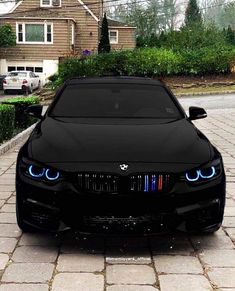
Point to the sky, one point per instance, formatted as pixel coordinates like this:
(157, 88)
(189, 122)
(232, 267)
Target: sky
(5, 7)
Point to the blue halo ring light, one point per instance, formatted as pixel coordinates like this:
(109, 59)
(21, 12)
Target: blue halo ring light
(212, 174)
(38, 173)
(192, 178)
(52, 175)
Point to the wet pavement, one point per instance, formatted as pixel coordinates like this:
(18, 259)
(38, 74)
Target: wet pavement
(173, 262)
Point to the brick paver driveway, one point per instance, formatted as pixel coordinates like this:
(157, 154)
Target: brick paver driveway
(43, 262)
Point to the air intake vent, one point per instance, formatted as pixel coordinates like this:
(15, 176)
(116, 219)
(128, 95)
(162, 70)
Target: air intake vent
(149, 183)
(106, 183)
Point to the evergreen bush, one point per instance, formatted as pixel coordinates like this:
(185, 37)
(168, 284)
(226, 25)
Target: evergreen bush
(7, 119)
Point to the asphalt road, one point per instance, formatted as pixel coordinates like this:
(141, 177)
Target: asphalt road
(223, 101)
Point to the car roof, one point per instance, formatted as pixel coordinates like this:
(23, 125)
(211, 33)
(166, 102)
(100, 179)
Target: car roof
(20, 71)
(114, 79)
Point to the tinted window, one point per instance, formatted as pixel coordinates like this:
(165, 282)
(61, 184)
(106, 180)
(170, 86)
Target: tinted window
(115, 100)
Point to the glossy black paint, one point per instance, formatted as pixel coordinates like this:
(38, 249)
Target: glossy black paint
(35, 111)
(96, 145)
(196, 113)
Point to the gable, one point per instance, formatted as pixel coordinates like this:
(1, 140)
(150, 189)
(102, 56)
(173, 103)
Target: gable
(64, 7)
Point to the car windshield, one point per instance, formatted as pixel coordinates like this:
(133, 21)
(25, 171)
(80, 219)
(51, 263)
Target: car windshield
(17, 74)
(115, 101)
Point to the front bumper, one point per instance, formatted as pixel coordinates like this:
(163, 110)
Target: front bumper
(62, 206)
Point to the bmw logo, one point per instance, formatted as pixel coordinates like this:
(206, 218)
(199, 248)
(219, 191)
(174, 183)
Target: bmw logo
(124, 167)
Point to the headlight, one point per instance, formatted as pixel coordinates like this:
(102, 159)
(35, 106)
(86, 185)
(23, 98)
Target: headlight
(205, 173)
(52, 175)
(35, 171)
(39, 172)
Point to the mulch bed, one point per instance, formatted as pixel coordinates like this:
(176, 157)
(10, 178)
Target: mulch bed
(199, 81)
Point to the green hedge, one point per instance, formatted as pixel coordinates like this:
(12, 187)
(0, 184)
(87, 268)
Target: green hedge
(7, 119)
(207, 61)
(21, 103)
(149, 62)
(24, 99)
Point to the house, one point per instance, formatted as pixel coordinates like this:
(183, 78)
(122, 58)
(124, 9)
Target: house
(49, 30)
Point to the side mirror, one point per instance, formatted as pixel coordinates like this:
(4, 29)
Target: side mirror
(35, 111)
(196, 113)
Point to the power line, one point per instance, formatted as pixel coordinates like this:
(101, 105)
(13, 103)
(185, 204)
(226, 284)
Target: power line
(94, 5)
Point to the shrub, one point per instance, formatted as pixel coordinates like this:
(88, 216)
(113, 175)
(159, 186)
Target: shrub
(7, 36)
(207, 61)
(7, 119)
(21, 103)
(149, 62)
(153, 62)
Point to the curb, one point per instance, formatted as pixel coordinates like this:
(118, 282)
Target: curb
(16, 140)
(204, 93)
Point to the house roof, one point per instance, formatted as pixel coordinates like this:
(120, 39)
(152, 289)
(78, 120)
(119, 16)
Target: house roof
(36, 13)
(115, 23)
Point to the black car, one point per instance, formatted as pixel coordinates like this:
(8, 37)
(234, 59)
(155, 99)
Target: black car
(118, 154)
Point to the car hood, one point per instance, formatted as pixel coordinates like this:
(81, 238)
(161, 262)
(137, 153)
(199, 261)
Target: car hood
(76, 141)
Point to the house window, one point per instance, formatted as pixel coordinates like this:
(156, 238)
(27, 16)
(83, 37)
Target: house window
(38, 70)
(20, 32)
(11, 68)
(50, 3)
(20, 68)
(46, 3)
(27, 68)
(34, 33)
(113, 36)
(49, 35)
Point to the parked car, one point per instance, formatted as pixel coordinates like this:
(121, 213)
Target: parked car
(118, 154)
(2, 77)
(26, 81)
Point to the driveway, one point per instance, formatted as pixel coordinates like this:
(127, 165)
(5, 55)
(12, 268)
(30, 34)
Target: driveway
(12, 94)
(178, 262)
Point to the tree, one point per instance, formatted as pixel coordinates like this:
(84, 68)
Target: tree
(7, 36)
(170, 15)
(104, 44)
(230, 35)
(226, 17)
(149, 18)
(192, 14)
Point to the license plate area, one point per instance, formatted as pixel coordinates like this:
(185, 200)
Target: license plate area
(117, 219)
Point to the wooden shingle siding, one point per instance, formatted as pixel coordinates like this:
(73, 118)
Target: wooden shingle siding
(33, 4)
(126, 38)
(61, 45)
(85, 22)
